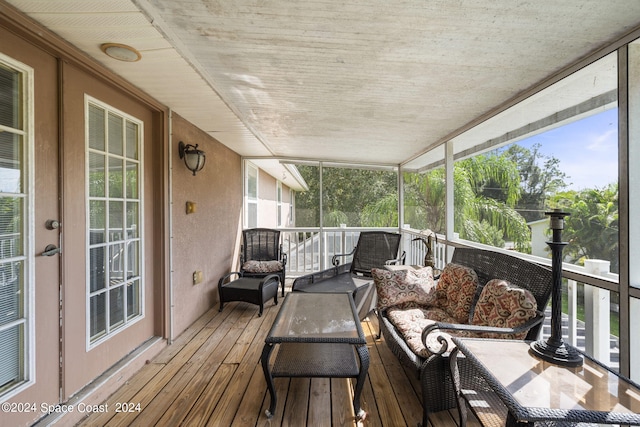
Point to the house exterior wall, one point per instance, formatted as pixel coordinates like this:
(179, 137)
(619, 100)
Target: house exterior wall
(176, 244)
(209, 239)
(266, 200)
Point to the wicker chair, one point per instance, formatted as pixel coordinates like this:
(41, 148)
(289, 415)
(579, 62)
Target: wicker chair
(262, 254)
(434, 374)
(373, 250)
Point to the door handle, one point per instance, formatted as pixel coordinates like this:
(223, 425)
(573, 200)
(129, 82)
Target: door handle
(51, 250)
(52, 224)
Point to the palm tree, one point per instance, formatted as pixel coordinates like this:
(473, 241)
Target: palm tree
(486, 190)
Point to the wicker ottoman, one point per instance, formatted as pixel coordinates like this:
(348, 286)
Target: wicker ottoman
(248, 289)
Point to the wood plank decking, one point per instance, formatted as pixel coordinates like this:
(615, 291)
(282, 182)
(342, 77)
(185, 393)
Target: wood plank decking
(211, 375)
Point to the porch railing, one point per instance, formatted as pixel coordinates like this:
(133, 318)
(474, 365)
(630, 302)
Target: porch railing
(311, 249)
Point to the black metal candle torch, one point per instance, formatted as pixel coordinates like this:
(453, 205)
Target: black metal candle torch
(554, 350)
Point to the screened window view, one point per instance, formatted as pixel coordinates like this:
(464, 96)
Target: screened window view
(558, 150)
(115, 252)
(351, 197)
(13, 217)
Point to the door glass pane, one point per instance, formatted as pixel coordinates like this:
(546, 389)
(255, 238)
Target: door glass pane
(115, 250)
(115, 178)
(133, 262)
(133, 299)
(132, 140)
(116, 264)
(10, 342)
(14, 214)
(132, 220)
(132, 180)
(116, 306)
(115, 134)
(10, 163)
(96, 127)
(116, 226)
(11, 302)
(10, 92)
(11, 217)
(97, 222)
(96, 175)
(97, 278)
(97, 311)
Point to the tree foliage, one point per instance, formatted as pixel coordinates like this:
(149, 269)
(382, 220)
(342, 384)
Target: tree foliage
(495, 195)
(486, 189)
(356, 197)
(540, 177)
(592, 226)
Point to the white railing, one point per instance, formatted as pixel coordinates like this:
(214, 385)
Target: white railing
(311, 249)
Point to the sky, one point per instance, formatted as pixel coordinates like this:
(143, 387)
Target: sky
(587, 150)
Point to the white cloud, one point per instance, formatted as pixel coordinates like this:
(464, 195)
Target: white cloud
(604, 142)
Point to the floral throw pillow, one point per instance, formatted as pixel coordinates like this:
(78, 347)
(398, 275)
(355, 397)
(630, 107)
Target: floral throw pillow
(456, 290)
(504, 305)
(404, 286)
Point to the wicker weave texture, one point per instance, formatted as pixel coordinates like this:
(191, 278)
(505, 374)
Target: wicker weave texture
(437, 388)
(263, 244)
(524, 274)
(373, 250)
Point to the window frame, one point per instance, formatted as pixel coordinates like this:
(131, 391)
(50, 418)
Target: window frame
(249, 200)
(113, 330)
(28, 356)
(279, 215)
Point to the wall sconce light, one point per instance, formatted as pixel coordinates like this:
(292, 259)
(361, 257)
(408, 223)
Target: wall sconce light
(193, 158)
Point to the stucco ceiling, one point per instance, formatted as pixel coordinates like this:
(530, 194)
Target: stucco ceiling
(357, 81)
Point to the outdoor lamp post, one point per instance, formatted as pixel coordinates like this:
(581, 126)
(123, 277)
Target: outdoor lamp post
(554, 350)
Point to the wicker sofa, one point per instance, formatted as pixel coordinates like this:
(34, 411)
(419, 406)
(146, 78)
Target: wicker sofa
(416, 331)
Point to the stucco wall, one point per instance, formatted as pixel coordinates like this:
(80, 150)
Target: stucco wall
(209, 239)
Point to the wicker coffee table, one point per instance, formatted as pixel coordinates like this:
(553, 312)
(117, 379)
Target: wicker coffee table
(318, 335)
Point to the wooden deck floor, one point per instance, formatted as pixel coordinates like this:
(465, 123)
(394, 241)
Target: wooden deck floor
(212, 375)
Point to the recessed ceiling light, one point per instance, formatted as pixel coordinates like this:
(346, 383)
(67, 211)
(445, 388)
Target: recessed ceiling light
(121, 52)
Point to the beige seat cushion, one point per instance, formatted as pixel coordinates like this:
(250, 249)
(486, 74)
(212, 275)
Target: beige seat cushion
(262, 266)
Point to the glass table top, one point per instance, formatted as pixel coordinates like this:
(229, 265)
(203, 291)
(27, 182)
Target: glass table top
(535, 383)
(321, 317)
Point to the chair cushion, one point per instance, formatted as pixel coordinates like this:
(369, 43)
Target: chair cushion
(504, 305)
(410, 322)
(404, 286)
(253, 266)
(456, 290)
